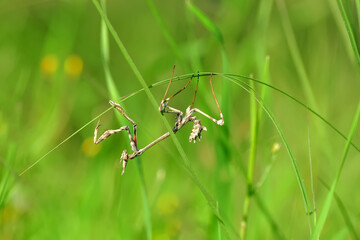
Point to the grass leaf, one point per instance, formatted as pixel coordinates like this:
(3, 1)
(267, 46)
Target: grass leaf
(296, 168)
(186, 162)
(114, 93)
(323, 215)
(344, 213)
(349, 30)
(169, 38)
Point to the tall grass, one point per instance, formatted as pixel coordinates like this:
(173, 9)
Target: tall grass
(234, 183)
(114, 94)
(330, 196)
(223, 151)
(182, 153)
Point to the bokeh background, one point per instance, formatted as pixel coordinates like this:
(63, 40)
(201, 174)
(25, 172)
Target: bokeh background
(53, 82)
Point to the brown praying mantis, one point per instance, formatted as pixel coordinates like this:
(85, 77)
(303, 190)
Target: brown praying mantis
(181, 119)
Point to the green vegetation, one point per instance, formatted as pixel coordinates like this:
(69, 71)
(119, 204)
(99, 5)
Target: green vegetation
(284, 166)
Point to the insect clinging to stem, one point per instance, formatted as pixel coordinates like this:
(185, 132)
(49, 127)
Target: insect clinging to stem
(181, 119)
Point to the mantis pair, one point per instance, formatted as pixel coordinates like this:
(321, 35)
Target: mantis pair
(181, 119)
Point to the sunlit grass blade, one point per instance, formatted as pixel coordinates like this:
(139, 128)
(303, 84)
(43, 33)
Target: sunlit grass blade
(110, 84)
(294, 163)
(313, 212)
(274, 226)
(120, 100)
(65, 140)
(223, 151)
(295, 53)
(187, 76)
(169, 38)
(255, 118)
(6, 175)
(114, 93)
(328, 200)
(254, 127)
(301, 70)
(145, 201)
(212, 28)
(357, 2)
(295, 100)
(186, 162)
(350, 31)
(344, 212)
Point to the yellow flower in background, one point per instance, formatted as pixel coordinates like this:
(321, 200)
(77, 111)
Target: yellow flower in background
(73, 66)
(49, 64)
(89, 148)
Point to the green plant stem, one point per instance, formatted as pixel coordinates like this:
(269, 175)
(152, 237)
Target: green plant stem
(344, 213)
(282, 135)
(328, 200)
(187, 76)
(313, 212)
(295, 53)
(186, 162)
(114, 93)
(169, 38)
(254, 124)
(350, 31)
(223, 151)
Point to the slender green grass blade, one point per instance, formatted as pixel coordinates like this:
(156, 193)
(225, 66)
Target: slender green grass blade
(350, 31)
(313, 212)
(274, 227)
(211, 27)
(255, 118)
(194, 49)
(184, 77)
(65, 140)
(295, 53)
(282, 135)
(223, 151)
(344, 212)
(120, 100)
(357, 2)
(328, 200)
(114, 93)
(6, 180)
(295, 100)
(106, 58)
(186, 162)
(254, 121)
(266, 79)
(323, 215)
(169, 38)
(145, 201)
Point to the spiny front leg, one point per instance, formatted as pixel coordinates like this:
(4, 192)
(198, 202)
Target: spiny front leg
(124, 156)
(107, 133)
(133, 141)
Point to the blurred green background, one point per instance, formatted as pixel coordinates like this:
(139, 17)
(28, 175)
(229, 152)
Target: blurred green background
(52, 83)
